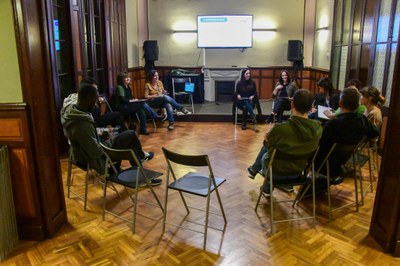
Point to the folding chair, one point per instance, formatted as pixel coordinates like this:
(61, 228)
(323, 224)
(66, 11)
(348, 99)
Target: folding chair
(296, 179)
(192, 183)
(130, 178)
(338, 155)
(178, 84)
(85, 167)
(236, 114)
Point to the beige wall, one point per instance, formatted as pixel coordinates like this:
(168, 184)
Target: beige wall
(10, 84)
(323, 38)
(269, 49)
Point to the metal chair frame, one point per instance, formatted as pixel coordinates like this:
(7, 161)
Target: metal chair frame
(236, 115)
(209, 183)
(302, 179)
(129, 178)
(182, 80)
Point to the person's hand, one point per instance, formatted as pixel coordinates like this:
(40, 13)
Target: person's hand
(329, 114)
(313, 110)
(101, 99)
(251, 97)
(133, 100)
(239, 97)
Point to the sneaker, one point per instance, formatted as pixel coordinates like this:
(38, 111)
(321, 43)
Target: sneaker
(287, 189)
(154, 182)
(148, 156)
(261, 172)
(179, 113)
(244, 127)
(171, 126)
(185, 111)
(264, 192)
(144, 132)
(250, 172)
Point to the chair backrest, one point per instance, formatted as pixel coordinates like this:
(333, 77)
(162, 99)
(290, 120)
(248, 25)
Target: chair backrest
(338, 155)
(178, 84)
(307, 158)
(188, 160)
(114, 155)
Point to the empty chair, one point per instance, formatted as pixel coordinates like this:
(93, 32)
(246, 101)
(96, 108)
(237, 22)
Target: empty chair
(131, 178)
(193, 183)
(184, 87)
(306, 177)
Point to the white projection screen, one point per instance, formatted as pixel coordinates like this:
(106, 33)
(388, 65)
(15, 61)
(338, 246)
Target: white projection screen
(225, 31)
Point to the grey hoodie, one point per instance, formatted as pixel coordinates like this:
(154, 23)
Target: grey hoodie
(80, 129)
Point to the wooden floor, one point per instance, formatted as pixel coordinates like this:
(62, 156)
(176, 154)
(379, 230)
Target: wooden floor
(88, 240)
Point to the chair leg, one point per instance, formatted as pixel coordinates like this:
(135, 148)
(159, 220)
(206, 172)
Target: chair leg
(86, 189)
(220, 203)
(69, 178)
(191, 99)
(236, 111)
(206, 221)
(271, 196)
(135, 206)
(165, 208)
(104, 198)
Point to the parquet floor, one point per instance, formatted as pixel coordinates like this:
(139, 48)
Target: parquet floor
(88, 240)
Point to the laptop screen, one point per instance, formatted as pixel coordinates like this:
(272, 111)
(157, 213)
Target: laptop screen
(189, 87)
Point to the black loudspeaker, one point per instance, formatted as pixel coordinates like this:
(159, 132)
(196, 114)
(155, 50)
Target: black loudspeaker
(295, 50)
(150, 50)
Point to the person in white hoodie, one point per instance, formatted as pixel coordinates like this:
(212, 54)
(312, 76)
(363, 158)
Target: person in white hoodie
(80, 128)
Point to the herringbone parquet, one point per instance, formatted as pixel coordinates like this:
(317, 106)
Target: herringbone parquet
(87, 240)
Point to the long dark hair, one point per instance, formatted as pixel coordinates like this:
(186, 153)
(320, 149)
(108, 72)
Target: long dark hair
(242, 76)
(326, 84)
(150, 75)
(281, 79)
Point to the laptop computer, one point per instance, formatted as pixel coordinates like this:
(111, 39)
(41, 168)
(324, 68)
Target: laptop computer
(189, 87)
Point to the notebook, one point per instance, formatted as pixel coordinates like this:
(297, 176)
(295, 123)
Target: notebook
(321, 110)
(189, 87)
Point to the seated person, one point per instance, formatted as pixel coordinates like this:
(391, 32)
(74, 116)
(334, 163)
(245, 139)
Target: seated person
(372, 99)
(123, 99)
(352, 83)
(106, 119)
(298, 136)
(327, 96)
(155, 92)
(79, 128)
(282, 95)
(246, 96)
(348, 128)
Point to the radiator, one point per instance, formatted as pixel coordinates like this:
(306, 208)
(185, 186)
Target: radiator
(8, 224)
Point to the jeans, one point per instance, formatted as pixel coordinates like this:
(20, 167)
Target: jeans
(280, 105)
(168, 103)
(257, 165)
(150, 111)
(246, 106)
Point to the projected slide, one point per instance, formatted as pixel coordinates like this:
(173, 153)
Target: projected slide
(225, 31)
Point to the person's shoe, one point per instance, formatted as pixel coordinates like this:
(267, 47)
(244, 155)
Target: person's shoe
(171, 126)
(337, 180)
(261, 172)
(250, 173)
(144, 132)
(185, 111)
(148, 156)
(154, 182)
(287, 189)
(264, 192)
(179, 113)
(243, 126)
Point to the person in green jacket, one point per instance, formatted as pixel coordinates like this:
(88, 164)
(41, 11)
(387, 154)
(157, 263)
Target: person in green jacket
(298, 136)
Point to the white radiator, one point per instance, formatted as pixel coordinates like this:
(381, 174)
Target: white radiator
(8, 224)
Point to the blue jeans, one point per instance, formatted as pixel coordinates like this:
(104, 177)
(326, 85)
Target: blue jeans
(168, 103)
(149, 111)
(257, 165)
(246, 106)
